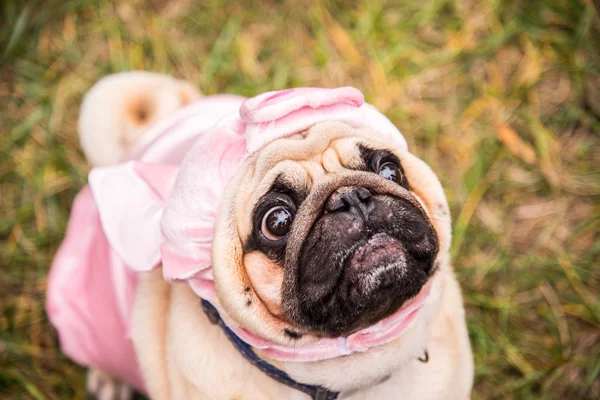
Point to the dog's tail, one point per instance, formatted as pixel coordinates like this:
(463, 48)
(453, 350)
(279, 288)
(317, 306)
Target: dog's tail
(120, 108)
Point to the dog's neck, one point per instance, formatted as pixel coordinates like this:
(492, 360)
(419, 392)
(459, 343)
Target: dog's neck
(411, 346)
(363, 371)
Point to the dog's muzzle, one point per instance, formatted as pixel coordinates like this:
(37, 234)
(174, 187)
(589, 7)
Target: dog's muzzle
(364, 256)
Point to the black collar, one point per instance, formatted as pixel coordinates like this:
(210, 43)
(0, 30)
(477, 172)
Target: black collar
(314, 391)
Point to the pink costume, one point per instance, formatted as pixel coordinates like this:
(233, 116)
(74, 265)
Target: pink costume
(160, 208)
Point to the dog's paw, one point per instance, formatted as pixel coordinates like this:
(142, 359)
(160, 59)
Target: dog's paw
(102, 386)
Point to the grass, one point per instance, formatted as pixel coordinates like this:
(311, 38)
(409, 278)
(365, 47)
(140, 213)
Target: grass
(500, 97)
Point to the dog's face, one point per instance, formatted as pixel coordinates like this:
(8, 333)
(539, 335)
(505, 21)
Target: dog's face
(327, 232)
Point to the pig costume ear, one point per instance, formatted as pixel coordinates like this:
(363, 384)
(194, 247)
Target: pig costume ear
(130, 198)
(272, 115)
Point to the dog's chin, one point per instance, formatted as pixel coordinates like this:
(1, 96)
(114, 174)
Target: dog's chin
(376, 264)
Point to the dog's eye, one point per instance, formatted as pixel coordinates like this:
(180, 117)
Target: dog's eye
(277, 222)
(390, 171)
(385, 164)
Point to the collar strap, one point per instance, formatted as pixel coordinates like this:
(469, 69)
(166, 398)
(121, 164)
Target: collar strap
(314, 391)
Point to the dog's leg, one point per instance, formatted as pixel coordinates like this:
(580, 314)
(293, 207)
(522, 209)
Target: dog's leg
(103, 386)
(120, 108)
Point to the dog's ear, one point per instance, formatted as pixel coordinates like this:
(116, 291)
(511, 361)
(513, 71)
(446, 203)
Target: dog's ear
(130, 199)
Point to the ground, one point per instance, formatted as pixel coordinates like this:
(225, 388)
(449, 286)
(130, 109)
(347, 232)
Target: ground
(500, 97)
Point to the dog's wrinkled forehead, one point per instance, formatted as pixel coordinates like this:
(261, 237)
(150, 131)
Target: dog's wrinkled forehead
(292, 165)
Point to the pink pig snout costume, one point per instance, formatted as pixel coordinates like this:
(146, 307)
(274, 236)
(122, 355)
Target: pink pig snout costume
(159, 209)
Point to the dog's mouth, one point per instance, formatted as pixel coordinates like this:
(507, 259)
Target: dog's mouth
(375, 262)
(357, 268)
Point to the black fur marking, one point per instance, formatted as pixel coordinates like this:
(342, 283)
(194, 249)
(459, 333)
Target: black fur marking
(292, 334)
(250, 244)
(424, 358)
(442, 209)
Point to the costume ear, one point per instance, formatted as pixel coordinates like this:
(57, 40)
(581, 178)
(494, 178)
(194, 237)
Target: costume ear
(130, 199)
(273, 115)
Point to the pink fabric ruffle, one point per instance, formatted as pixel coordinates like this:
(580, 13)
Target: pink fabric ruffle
(90, 295)
(91, 287)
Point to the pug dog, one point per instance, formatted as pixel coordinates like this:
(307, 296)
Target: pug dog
(287, 246)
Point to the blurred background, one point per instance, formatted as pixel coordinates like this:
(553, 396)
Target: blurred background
(500, 97)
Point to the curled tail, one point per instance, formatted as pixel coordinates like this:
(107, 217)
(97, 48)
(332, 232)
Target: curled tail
(120, 108)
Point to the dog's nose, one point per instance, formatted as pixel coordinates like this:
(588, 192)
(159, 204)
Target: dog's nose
(353, 199)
